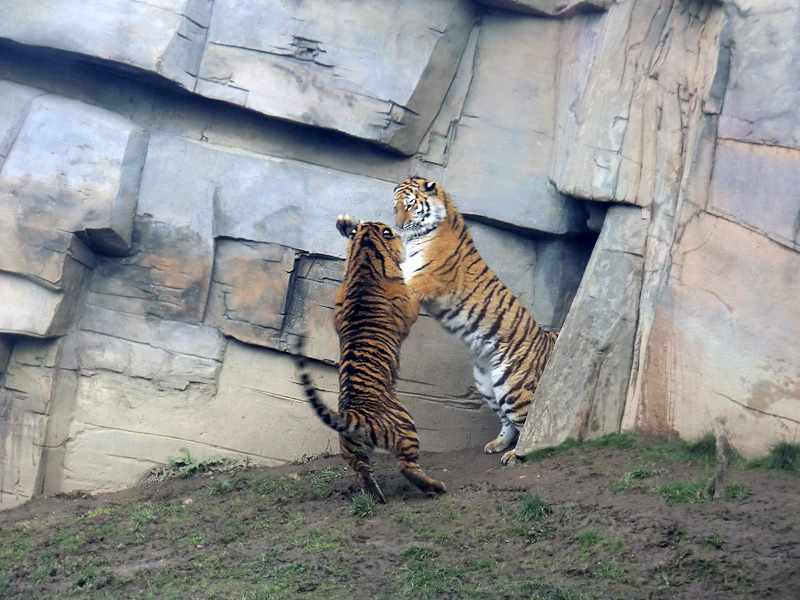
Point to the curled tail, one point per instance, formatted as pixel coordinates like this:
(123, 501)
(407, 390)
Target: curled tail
(331, 418)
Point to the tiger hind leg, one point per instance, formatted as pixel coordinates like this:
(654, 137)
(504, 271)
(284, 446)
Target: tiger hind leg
(407, 452)
(508, 432)
(357, 456)
(516, 413)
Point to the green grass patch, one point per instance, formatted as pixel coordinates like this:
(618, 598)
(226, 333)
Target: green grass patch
(68, 541)
(589, 538)
(143, 515)
(685, 492)
(320, 482)
(606, 570)
(626, 481)
(272, 484)
(417, 553)
(712, 541)
(39, 573)
(535, 587)
(620, 441)
(544, 453)
(220, 488)
(783, 456)
(532, 508)
(362, 505)
(702, 449)
(735, 491)
(421, 581)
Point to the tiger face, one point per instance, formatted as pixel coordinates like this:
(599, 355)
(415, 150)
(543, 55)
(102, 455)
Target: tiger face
(419, 207)
(377, 236)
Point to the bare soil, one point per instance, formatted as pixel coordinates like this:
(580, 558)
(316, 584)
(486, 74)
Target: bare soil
(288, 532)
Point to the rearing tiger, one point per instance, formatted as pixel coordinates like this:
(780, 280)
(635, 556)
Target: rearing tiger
(446, 274)
(373, 315)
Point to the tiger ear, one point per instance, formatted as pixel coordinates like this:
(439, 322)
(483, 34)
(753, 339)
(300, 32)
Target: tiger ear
(430, 186)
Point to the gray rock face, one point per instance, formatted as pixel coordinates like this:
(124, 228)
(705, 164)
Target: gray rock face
(162, 250)
(582, 392)
(767, 49)
(81, 161)
(249, 290)
(301, 62)
(505, 177)
(162, 36)
(551, 8)
(306, 63)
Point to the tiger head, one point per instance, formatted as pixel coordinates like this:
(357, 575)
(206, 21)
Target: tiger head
(371, 234)
(420, 205)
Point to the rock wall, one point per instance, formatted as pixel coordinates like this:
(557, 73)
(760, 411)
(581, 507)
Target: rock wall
(688, 110)
(170, 173)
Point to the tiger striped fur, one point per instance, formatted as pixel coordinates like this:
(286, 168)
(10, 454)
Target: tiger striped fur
(446, 274)
(373, 315)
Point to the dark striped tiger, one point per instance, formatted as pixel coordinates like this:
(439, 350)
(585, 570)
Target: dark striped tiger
(373, 315)
(446, 274)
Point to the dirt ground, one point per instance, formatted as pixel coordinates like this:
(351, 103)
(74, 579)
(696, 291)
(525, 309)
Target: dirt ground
(586, 523)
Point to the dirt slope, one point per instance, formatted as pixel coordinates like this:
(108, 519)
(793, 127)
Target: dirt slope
(257, 534)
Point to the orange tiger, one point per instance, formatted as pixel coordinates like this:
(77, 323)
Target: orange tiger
(446, 274)
(373, 315)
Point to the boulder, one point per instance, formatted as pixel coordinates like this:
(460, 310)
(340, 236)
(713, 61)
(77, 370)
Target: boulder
(165, 37)
(254, 197)
(758, 186)
(582, 392)
(35, 405)
(767, 49)
(723, 349)
(13, 111)
(74, 167)
(32, 309)
(550, 8)
(304, 63)
(498, 164)
(250, 290)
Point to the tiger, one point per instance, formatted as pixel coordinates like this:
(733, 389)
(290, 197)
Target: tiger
(445, 273)
(373, 314)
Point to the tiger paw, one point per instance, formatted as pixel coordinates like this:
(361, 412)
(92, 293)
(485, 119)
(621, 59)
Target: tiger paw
(347, 225)
(510, 458)
(495, 446)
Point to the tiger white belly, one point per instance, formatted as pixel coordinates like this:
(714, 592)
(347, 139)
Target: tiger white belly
(415, 258)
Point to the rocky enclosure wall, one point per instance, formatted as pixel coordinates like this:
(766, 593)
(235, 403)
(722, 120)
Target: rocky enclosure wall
(170, 173)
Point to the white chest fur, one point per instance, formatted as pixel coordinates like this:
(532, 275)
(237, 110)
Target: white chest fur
(415, 258)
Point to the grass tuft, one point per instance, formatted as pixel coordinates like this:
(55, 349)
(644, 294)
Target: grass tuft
(606, 570)
(589, 538)
(735, 491)
(421, 581)
(143, 515)
(221, 487)
(532, 508)
(621, 441)
(783, 456)
(272, 484)
(685, 492)
(544, 453)
(417, 553)
(626, 481)
(363, 505)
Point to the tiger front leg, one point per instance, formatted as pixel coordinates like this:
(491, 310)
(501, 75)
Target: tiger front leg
(504, 440)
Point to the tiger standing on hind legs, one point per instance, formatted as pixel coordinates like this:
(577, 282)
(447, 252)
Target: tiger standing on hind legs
(373, 315)
(444, 271)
